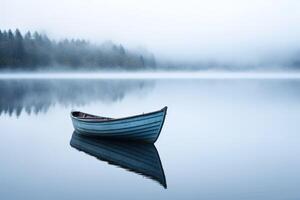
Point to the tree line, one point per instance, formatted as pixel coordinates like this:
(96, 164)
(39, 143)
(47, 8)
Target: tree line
(36, 51)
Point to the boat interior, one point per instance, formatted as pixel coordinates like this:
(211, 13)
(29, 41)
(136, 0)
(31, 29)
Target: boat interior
(82, 115)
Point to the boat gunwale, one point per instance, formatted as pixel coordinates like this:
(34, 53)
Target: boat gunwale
(164, 110)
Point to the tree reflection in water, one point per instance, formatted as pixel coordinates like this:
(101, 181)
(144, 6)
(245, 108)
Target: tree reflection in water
(36, 96)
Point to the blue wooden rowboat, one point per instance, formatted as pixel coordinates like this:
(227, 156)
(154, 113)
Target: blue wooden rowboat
(137, 157)
(144, 127)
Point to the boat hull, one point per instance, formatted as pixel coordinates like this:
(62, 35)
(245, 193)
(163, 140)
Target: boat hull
(145, 127)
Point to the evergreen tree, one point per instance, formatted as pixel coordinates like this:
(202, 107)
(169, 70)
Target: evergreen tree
(19, 52)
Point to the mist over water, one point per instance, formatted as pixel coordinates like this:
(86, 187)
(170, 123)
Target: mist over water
(244, 34)
(222, 139)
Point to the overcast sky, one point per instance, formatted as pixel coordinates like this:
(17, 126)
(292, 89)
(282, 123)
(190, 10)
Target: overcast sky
(223, 30)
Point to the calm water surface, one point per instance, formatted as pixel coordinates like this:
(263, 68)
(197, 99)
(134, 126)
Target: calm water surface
(222, 139)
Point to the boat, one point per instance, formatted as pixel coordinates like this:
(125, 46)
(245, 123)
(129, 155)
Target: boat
(137, 157)
(145, 127)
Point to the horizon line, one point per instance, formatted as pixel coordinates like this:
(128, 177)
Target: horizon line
(152, 75)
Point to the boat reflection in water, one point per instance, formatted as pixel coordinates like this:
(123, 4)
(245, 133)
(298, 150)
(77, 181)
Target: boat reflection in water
(141, 158)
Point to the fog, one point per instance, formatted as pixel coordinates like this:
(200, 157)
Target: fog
(230, 31)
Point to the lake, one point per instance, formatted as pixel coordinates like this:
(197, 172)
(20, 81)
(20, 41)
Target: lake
(223, 138)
